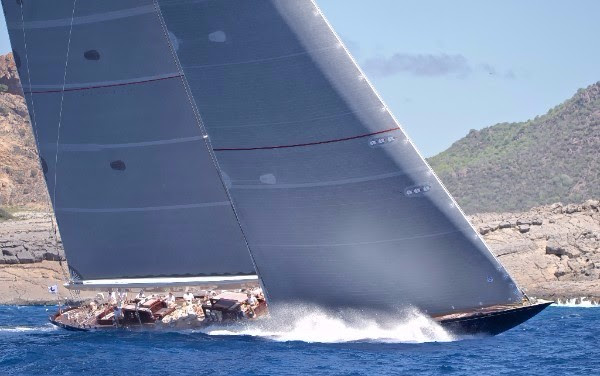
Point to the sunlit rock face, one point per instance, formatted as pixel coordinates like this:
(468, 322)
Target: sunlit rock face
(552, 250)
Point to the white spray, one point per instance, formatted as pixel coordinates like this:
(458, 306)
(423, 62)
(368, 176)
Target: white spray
(310, 324)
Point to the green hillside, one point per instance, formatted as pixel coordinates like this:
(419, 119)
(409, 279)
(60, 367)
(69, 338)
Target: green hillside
(515, 166)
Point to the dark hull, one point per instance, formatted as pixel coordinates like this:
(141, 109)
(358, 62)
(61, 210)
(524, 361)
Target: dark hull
(479, 323)
(492, 323)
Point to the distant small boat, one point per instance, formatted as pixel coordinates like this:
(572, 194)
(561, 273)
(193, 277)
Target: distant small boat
(217, 142)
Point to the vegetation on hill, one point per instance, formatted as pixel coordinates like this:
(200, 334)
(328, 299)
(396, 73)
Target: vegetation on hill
(516, 166)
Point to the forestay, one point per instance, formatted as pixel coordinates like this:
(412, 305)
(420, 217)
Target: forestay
(338, 207)
(134, 187)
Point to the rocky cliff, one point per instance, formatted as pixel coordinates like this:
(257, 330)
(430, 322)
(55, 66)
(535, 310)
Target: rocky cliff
(29, 238)
(552, 251)
(9, 75)
(21, 181)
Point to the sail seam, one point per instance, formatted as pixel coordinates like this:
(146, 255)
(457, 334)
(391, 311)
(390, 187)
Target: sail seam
(433, 235)
(103, 86)
(141, 209)
(100, 147)
(308, 143)
(256, 61)
(309, 120)
(108, 16)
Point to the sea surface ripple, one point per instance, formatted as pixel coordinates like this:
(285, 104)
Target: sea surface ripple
(559, 341)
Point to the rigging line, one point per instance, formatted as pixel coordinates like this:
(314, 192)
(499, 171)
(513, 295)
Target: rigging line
(208, 144)
(62, 98)
(33, 121)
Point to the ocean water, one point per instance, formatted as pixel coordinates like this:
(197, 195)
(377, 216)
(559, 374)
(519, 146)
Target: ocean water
(559, 341)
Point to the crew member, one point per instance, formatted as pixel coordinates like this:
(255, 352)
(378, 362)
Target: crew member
(112, 297)
(251, 300)
(118, 312)
(252, 303)
(123, 296)
(170, 299)
(188, 297)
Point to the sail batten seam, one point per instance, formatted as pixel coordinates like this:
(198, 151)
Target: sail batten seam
(308, 143)
(100, 147)
(116, 84)
(141, 209)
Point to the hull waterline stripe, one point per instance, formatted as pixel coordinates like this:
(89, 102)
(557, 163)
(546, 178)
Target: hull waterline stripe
(103, 86)
(308, 143)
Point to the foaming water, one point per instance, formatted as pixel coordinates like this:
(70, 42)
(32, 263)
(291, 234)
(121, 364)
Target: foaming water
(21, 329)
(310, 324)
(577, 303)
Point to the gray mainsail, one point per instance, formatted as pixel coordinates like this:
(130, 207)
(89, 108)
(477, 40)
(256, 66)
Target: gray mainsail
(338, 207)
(134, 187)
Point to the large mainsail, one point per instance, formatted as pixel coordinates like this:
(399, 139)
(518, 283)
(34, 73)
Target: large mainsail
(135, 189)
(338, 207)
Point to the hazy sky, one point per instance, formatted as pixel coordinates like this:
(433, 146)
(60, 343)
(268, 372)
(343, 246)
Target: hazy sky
(445, 67)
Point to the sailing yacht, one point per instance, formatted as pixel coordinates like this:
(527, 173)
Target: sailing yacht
(191, 142)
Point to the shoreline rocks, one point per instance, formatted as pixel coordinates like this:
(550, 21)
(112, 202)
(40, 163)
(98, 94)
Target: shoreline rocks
(29, 238)
(557, 256)
(552, 251)
(27, 284)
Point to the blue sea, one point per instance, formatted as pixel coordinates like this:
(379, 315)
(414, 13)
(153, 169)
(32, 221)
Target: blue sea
(559, 341)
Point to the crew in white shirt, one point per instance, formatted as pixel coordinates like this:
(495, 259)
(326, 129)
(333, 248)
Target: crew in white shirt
(188, 297)
(170, 299)
(251, 300)
(112, 297)
(123, 296)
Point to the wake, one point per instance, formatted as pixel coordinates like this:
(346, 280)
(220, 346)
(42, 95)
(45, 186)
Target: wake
(577, 303)
(313, 325)
(26, 329)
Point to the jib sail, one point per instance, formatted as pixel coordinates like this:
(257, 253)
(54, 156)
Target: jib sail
(134, 187)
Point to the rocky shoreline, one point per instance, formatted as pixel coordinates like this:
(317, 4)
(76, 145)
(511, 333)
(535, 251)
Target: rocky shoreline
(29, 238)
(552, 251)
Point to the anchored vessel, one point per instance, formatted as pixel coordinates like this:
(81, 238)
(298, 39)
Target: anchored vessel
(190, 142)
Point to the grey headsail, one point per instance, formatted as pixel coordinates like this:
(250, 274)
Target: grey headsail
(133, 184)
(338, 207)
